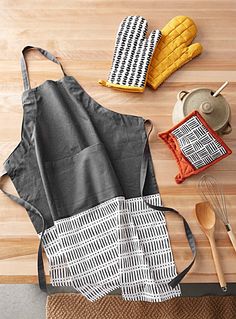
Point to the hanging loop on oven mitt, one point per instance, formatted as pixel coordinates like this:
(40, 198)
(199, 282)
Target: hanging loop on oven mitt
(132, 55)
(174, 50)
(194, 145)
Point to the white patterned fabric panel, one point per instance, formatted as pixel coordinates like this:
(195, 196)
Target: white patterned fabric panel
(133, 52)
(146, 259)
(119, 243)
(198, 145)
(71, 244)
(58, 268)
(89, 244)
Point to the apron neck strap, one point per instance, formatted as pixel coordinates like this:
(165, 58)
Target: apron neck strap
(24, 69)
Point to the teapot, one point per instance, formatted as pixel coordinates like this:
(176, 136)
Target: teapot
(211, 105)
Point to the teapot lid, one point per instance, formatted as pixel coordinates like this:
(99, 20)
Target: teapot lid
(214, 109)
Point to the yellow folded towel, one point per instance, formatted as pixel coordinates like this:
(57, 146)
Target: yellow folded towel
(173, 50)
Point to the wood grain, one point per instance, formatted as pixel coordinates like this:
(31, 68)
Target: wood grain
(81, 33)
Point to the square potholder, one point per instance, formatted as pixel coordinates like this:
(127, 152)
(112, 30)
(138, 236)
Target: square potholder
(194, 145)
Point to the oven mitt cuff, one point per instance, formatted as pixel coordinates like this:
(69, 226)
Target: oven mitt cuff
(132, 55)
(174, 50)
(194, 145)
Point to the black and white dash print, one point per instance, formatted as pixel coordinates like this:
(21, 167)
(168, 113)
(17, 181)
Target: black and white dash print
(133, 52)
(198, 145)
(119, 243)
(146, 262)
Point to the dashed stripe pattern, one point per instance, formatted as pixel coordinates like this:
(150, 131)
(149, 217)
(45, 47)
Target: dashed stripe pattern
(197, 144)
(120, 243)
(58, 268)
(89, 244)
(133, 52)
(145, 256)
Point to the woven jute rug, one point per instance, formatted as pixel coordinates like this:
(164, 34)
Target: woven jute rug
(74, 306)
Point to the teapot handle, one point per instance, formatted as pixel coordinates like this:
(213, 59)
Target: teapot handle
(181, 95)
(227, 130)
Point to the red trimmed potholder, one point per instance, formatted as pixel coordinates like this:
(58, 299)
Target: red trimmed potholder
(194, 145)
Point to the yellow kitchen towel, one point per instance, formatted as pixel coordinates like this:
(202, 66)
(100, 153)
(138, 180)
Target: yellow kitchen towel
(173, 50)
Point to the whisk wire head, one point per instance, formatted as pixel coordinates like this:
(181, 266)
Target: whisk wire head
(212, 192)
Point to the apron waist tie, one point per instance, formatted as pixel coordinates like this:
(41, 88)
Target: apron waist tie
(189, 235)
(31, 208)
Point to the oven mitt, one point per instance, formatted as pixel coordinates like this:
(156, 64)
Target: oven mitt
(132, 55)
(173, 50)
(194, 145)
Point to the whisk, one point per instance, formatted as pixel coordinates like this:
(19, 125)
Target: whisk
(212, 192)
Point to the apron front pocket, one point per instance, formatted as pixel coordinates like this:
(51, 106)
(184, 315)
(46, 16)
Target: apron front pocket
(81, 181)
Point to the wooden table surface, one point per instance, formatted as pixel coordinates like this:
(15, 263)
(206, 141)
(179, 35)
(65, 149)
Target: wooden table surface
(82, 33)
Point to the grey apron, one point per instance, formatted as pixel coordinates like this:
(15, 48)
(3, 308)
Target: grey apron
(85, 176)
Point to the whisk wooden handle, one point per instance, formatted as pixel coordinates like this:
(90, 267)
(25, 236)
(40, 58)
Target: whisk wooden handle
(232, 238)
(218, 267)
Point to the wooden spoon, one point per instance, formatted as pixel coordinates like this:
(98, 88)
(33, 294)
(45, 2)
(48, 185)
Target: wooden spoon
(206, 218)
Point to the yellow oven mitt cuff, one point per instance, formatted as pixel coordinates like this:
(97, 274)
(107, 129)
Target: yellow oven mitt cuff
(125, 88)
(132, 55)
(173, 50)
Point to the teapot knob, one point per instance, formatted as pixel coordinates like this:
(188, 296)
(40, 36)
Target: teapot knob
(206, 108)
